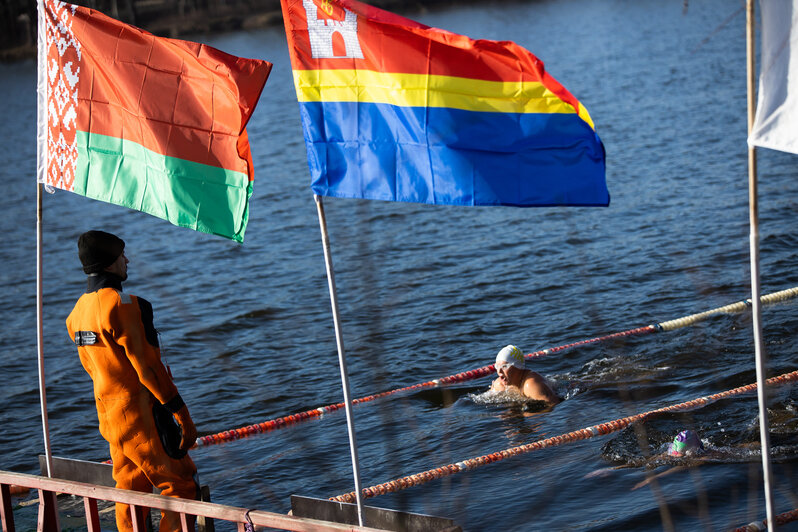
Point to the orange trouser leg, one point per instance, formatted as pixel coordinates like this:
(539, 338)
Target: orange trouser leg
(142, 459)
(128, 476)
(175, 478)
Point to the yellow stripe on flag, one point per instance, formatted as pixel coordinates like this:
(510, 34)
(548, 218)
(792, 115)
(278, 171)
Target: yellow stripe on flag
(423, 90)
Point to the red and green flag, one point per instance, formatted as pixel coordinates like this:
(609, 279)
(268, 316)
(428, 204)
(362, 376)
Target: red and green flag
(149, 123)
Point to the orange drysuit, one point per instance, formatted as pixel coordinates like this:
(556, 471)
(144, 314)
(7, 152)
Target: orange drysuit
(118, 347)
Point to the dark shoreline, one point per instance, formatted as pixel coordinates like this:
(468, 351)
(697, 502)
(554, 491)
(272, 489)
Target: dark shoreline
(203, 22)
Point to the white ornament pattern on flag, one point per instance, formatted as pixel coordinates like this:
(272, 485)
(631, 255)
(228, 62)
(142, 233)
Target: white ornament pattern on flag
(63, 73)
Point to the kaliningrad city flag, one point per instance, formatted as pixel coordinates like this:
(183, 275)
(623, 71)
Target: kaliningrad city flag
(395, 110)
(149, 123)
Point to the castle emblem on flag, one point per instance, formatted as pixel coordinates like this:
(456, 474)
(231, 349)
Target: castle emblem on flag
(321, 32)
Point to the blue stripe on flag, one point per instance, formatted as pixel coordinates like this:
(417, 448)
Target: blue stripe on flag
(451, 156)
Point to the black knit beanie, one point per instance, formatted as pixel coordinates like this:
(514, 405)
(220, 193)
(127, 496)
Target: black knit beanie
(98, 250)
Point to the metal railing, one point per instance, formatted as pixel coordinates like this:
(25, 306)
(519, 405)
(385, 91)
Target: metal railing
(139, 502)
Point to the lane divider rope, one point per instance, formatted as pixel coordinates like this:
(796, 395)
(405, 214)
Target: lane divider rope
(285, 421)
(582, 434)
(728, 309)
(781, 519)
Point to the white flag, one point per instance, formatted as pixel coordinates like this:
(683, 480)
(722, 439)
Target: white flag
(776, 122)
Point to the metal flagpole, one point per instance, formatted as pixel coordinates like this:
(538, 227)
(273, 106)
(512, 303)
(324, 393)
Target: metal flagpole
(41, 158)
(40, 331)
(350, 423)
(753, 214)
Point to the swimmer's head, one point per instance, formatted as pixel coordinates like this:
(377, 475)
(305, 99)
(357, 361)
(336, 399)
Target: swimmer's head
(510, 356)
(687, 441)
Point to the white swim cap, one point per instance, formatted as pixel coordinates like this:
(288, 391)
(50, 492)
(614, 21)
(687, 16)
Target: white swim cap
(511, 355)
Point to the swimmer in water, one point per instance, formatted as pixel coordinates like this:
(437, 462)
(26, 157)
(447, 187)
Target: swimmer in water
(515, 378)
(685, 443)
(685, 446)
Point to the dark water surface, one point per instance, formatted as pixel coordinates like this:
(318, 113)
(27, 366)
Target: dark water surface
(430, 291)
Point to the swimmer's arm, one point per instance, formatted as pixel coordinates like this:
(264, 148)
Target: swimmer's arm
(652, 478)
(604, 471)
(496, 385)
(536, 387)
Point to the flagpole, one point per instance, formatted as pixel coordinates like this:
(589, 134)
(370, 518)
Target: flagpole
(350, 423)
(753, 214)
(41, 158)
(40, 332)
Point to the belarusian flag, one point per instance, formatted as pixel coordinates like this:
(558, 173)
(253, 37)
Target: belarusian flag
(149, 123)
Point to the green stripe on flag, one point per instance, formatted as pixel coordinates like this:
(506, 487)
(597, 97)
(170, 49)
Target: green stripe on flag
(188, 194)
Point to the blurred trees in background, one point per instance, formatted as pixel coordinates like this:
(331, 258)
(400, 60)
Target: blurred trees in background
(167, 18)
(17, 23)
(163, 17)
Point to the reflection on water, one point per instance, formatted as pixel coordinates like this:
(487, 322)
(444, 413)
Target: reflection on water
(444, 397)
(517, 415)
(511, 398)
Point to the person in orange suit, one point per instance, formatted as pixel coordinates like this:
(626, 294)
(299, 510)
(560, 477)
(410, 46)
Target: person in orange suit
(141, 413)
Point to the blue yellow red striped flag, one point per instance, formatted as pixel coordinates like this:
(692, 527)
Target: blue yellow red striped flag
(399, 111)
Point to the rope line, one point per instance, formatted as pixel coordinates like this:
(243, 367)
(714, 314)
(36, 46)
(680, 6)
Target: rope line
(781, 519)
(728, 309)
(582, 434)
(284, 421)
